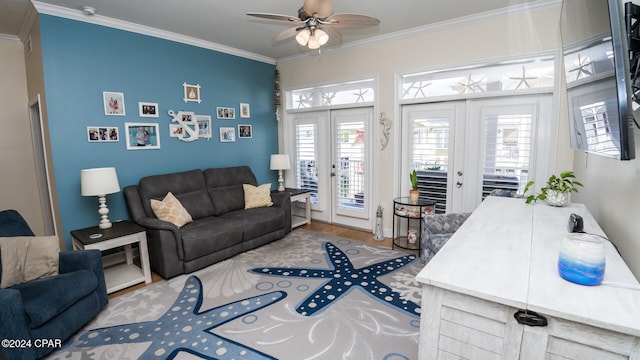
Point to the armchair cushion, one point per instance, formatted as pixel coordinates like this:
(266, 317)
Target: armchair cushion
(13, 224)
(26, 258)
(436, 231)
(45, 298)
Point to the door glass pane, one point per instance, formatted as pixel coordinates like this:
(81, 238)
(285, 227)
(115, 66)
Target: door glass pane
(350, 163)
(507, 152)
(306, 157)
(430, 158)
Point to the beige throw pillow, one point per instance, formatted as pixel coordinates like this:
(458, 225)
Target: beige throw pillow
(170, 209)
(255, 197)
(26, 258)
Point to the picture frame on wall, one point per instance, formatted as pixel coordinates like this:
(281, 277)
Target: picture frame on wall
(96, 134)
(245, 110)
(142, 136)
(245, 131)
(204, 126)
(113, 103)
(191, 92)
(227, 134)
(148, 109)
(175, 130)
(226, 113)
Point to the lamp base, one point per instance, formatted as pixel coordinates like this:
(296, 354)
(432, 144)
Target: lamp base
(103, 210)
(280, 181)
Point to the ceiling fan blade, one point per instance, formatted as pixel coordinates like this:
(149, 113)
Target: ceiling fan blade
(351, 21)
(335, 38)
(275, 17)
(323, 8)
(291, 32)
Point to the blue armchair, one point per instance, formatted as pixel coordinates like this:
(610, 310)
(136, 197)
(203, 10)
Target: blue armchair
(51, 308)
(436, 231)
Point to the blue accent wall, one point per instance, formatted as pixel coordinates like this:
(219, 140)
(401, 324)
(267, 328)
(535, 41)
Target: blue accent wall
(82, 60)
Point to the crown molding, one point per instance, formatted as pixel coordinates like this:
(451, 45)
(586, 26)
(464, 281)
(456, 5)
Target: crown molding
(9, 37)
(59, 11)
(420, 30)
(27, 23)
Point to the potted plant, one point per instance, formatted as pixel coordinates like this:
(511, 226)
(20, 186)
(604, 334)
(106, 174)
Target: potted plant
(414, 193)
(557, 191)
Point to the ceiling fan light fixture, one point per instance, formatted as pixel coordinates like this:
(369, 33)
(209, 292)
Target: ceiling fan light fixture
(303, 37)
(321, 36)
(313, 42)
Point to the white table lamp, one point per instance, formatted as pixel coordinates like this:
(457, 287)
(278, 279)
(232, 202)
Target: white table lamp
(280, 162)
(100, 182)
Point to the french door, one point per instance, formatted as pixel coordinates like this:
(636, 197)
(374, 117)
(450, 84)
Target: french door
(332, 160)
(463, 150)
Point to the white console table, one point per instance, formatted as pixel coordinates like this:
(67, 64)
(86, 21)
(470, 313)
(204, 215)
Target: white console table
(504, 258)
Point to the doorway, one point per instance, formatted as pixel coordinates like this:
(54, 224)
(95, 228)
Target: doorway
(42, 172)
(332, 152)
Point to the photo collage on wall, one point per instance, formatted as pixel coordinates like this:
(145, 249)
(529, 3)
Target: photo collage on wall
(186, 126)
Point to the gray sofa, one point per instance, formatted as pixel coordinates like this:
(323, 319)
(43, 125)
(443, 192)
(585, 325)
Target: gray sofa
(222, 227)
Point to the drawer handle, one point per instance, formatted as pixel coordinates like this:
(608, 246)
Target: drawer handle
(530, 318)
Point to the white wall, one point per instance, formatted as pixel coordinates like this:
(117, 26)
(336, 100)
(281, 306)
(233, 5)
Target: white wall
(18, 188)
(612, 194)
(465, 42)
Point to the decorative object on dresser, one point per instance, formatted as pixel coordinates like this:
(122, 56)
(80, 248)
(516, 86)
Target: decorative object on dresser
(280, 162)
(45, 307)
(491, 288)
(221, 226)
(557, 191)
(100, 182)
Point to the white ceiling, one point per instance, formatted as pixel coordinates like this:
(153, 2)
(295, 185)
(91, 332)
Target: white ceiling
(226, 23)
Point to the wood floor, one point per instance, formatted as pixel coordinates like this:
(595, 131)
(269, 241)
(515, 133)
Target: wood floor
(336, 230)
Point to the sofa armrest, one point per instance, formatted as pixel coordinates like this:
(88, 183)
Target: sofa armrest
(282, 199)
(14, 325)
(74, 260)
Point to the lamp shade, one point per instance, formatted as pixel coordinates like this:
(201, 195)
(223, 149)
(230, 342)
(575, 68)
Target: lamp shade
(99, 181)
(280, 162)
(303, 37)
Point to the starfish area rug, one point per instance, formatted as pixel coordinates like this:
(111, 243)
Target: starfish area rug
(306, 296)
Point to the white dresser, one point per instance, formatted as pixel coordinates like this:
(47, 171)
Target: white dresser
(504, 258)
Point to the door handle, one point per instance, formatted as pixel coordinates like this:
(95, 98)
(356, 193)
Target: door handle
(459, 184)
(333, 173)
(459, 173)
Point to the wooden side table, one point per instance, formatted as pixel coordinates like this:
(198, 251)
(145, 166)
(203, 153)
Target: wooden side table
(297, 195)
(122, 233)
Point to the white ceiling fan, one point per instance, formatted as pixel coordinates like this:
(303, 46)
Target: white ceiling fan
(317, 26)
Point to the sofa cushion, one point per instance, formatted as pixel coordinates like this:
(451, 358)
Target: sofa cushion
(26, 258)
(257, 222)
(257, 196)
(208, 235)
(170, 209)
(188, 187)
(47, 297)
(225, 187)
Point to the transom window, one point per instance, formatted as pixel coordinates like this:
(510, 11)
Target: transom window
(361, 92)
(508, 76)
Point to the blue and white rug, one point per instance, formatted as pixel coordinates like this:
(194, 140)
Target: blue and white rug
(307, 296)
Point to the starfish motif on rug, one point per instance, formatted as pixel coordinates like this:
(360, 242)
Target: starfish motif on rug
(184, 328)
(344, 277)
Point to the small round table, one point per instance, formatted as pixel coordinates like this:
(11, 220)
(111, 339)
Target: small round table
(412, 211)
